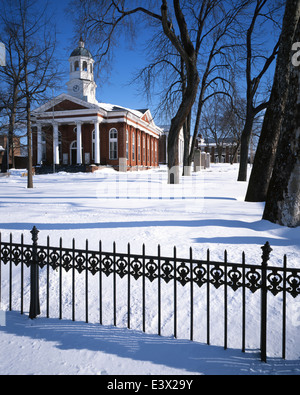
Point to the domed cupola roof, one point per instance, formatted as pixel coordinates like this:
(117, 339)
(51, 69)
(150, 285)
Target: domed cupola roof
(81, 50)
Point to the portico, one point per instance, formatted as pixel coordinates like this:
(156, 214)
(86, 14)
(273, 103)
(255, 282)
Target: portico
(59, 140)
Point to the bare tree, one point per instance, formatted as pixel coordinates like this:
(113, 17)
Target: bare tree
(163, 77)
(34, 44)
(11, 98)
(265, 156)
(104, 20)
(254, 65)
(221, 123)
(166, 72)
(283, 198)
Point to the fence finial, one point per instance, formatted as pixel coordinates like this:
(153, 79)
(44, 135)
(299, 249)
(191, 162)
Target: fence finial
(266, 252)
(34, 233)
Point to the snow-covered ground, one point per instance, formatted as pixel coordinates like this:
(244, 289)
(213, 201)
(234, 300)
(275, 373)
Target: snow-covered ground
(206, 210)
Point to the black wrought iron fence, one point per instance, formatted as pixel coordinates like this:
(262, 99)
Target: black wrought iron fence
(175, 271)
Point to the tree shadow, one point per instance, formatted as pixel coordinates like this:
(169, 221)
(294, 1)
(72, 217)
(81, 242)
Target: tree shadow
(191, 357)
(275, 234)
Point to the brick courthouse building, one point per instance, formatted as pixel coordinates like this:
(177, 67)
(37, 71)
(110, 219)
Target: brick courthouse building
(74, 129)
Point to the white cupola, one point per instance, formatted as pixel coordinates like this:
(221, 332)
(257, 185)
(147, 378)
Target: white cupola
(81, 82)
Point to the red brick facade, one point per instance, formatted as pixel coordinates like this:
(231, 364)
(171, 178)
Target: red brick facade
(136, 138)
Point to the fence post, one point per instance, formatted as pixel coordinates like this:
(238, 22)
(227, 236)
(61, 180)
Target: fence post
(34, 309)
(263, 342)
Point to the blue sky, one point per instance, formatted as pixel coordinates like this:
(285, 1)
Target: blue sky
(116, 90)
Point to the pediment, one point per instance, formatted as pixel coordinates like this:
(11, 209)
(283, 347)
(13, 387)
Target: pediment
(66, 105)
(65, 102)
(147, 117)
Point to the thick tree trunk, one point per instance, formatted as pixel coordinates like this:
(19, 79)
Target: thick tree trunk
(245, 143)
(267, 147)
(186, 147)
(179, 120)
(283, 199)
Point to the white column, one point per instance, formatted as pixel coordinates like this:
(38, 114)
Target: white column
(97, 143)
(39, 144)
(55, 144)
(79, 143)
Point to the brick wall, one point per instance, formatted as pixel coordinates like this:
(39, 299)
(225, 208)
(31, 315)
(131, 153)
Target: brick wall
(68, 136)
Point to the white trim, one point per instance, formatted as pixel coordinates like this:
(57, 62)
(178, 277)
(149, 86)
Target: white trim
(79, 143)
(97, 143)
(39, 144)
(55, 144)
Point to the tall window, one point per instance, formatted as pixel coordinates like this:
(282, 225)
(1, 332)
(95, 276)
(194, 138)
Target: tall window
(76, 68)
(156, 152)
(127, 145)
(84, 66)
(144, 149)
(148, 150)
(113, 144)
(139, 147)
(133, 146)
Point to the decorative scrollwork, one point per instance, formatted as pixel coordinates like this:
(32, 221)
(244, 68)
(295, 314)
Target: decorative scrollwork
(234, 276)
(167, 270)
(217, 274)
(275, 279)
(16, 256)
(183, 272)
(80, 263)
(254, 280)
(121, 266)
(42, 257)
(5, 252)
(107, 264)
(54, 259)
(200, 275)
(293, 281)
(151, 268)
(93, 264)
(136, 267)
(27, 255)
(67, 262)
